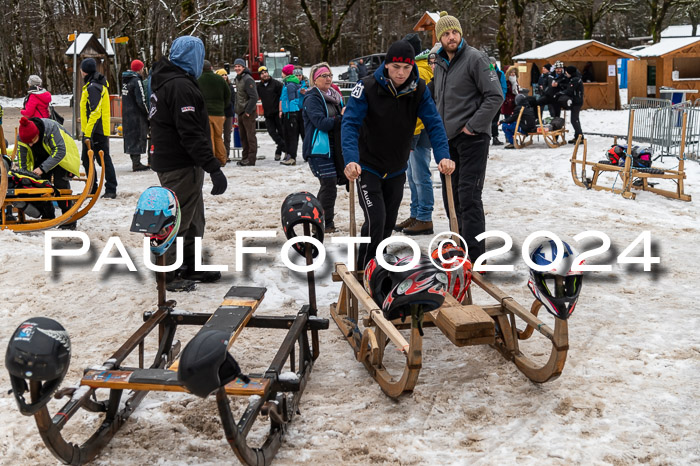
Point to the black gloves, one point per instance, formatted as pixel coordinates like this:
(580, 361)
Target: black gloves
(218, 179)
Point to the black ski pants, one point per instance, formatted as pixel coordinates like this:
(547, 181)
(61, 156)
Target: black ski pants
(469, 154)
(187, 184)
(99, 143)
(575, 121)
(290, 123)
(327, 196)
(380, 199)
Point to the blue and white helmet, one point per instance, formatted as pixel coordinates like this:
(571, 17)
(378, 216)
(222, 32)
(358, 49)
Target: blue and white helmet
(557, 288)
(158, 216)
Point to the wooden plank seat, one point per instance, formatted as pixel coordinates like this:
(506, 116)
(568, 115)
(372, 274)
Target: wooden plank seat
(551, 137)
(164, 380)
(231, 316)
(628, 177)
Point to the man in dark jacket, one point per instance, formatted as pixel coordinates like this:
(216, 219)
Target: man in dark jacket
(574, 91)
(270, 90)
(182, 149)
(468, 95)
(377, 131)
(217, 96)
(95, 122)
(246, 109)
(362, 69)
(134, 115)
(556, 82)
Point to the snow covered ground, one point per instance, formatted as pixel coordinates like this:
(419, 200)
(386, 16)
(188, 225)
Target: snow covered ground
(628, 393)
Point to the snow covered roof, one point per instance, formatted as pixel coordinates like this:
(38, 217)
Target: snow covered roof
(666, 46)
(559, 47)
(82, 41)
(680, 30)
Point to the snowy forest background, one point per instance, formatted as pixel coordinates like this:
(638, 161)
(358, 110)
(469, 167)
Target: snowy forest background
(33, 39)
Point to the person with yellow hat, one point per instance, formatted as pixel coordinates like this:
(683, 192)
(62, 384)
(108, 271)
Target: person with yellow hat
(228, 111)
(468, 95)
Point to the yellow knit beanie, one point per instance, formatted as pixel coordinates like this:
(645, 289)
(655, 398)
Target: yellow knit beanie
(447, 23)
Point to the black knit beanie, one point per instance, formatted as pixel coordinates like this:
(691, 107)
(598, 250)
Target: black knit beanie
(88, 65)
(400, 52)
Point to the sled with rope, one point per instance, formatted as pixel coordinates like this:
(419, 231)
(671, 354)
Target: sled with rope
(552, 137)
(204, 368)
(628, 176)
(379, 342)
(13, 200)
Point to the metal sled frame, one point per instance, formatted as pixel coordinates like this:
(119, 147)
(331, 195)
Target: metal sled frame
(277, 398)
(521, 140)
(76, 212)
(464, 324)
(627, 173)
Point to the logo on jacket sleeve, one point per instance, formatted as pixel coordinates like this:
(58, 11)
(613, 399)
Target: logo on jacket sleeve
(358, 89)
(187, 109)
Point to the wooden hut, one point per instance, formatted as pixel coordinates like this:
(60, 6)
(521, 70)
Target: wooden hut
(602, 92)
(427, 22)
(673, 63)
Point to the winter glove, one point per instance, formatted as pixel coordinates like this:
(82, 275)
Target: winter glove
(218, 179)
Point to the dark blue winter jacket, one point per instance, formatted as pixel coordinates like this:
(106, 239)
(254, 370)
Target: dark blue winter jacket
(379, 122)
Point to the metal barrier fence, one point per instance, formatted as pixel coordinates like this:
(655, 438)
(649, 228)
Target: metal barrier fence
(659, 124)
(649, 123)
(692, 139)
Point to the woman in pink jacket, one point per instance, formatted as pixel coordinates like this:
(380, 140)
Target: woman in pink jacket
(36, 104)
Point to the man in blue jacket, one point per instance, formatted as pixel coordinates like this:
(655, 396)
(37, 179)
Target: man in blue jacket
(377, 131)
(182, 150)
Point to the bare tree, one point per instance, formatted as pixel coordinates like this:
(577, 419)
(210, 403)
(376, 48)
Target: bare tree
(330, 33)
(588, 13)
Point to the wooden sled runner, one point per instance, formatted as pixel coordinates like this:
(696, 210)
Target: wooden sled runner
(372, 337)
(627, 173)
(82, 203)
(551, 137)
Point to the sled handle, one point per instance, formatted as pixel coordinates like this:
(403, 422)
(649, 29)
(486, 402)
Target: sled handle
(353, 226)
(454, 227)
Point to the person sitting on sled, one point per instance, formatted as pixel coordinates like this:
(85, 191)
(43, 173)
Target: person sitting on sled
(47, 150)
(377, 131)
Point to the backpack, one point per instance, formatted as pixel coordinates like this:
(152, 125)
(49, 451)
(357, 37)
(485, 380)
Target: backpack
(54, 115)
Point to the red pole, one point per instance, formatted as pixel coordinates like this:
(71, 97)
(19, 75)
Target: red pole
(254, 38)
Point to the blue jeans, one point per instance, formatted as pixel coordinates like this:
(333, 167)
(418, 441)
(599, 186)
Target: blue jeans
(509, 131)
(420, 179)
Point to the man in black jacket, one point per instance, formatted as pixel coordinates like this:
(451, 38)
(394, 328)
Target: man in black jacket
(574, 91)
(134, 115)
(182, 149)
(270, 90)
(246, 109)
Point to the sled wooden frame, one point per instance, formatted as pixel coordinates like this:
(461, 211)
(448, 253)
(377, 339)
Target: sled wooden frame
(627, 173)
(521, 140)
(76, 212)
(270, 395)
(464, 324)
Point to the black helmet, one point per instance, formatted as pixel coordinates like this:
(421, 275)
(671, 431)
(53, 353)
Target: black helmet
(39, 350)
(423, 285)
(376, 279)
(303, 207)
(557, 288)
(205, 363)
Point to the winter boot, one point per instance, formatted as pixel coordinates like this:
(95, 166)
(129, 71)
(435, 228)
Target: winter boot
(136, 164)
(406, 223)
(419, 227)
(278, 155)
(496, 142)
